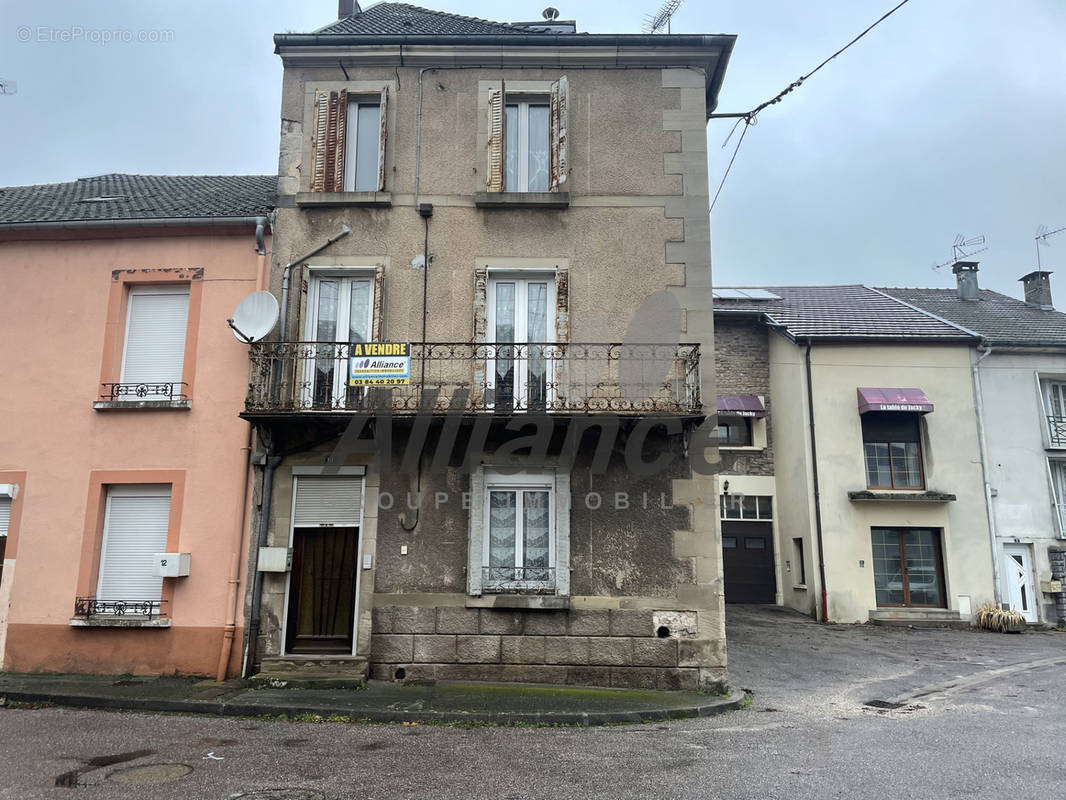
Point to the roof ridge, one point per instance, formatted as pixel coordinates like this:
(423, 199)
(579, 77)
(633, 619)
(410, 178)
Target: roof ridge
(926, 312)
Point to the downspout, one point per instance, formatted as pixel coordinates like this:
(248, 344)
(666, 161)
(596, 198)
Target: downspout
(983, 445)
(252, 633)
(230, 631)
(286, 274)
(817, 490)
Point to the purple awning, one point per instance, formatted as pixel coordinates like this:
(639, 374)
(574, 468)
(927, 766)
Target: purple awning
(741, 405)
(894, 400)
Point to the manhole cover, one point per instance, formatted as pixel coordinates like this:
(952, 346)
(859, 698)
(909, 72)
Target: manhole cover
(150, 774)
(278, 794)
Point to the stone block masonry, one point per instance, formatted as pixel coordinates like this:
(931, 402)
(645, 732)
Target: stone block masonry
(599, 647)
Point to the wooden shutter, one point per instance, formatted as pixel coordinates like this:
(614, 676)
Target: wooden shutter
(377, 324)
(156, 320)
(560, 102)
(327, 141)
(494, 180)
(383, 117)
(135, 529)
(5, 515)
(328, 500)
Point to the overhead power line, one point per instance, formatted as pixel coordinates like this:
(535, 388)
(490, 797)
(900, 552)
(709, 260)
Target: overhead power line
(750, 117)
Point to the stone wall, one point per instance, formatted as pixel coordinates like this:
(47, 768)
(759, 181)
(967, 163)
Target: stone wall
(592, 647)
(1057, 557)
(742, 366)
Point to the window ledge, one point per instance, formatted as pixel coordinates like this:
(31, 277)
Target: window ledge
(522, 199)
(344, 199)
(546, 602)
(741, 448)
(867, 496)
(119, 622)
(141, 405)
(802, 586)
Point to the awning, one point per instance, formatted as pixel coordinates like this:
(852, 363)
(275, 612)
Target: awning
(893, 400)
(741, 405)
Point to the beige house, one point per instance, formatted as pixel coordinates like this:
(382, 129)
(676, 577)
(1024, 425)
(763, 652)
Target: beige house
(875, 494)
(492, 257)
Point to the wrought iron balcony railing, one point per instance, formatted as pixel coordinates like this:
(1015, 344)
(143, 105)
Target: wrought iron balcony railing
(117, 392)
(89, 607)
(581, 378)
(518, 580)
(1056, 427)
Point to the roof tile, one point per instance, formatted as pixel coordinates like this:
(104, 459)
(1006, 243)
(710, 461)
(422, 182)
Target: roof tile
(401, 18)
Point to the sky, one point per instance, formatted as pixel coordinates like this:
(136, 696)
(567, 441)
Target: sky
(947, 119)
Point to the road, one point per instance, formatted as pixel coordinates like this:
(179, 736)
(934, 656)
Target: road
(953, 714)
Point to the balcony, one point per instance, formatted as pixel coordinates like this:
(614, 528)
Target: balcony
(288, 378)
(1056, 429)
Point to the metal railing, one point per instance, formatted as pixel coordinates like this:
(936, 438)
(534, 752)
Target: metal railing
(518, 580)
(89, 607)
(583, 378)
(116, 392)
(1056, 428)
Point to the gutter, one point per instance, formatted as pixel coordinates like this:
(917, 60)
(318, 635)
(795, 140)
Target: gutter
(723, 41)
(151, 222)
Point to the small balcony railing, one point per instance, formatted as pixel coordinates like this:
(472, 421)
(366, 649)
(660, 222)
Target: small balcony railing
(117, 392)
(90, 607)
(464, 377)
(1056, 428)
(518, 580)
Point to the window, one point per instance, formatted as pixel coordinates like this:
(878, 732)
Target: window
(800, 569)
(154, 352)
(348, 143)
(892, 450)
(1055, 398)
(747, 506)
(1058, 479)
(907, 567)
(521, 324)
(341, 311)
(520, 535)
(526, 147)
(527, 138)
(734, 431)
(136, 523)
(5, 521)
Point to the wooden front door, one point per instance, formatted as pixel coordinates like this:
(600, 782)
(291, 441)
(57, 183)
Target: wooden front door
(322, 590)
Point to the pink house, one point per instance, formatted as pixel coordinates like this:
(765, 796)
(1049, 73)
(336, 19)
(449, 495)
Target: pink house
(124, 468)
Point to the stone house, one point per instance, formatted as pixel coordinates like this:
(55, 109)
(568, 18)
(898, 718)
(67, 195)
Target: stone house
(492, 257)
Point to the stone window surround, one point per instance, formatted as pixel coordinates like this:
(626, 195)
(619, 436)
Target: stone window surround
(355, 89)
(480, 482)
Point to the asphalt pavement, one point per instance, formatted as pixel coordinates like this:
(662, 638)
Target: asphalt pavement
(839, 712)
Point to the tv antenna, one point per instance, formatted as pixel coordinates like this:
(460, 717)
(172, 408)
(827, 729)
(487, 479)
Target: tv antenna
(1042, 235)
(8, 87)
(255, 317)
(961, 248)
(654, 23)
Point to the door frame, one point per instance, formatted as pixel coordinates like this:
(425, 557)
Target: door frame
(311, 472)
(1026, 552)
(521, 376)
(901, 530)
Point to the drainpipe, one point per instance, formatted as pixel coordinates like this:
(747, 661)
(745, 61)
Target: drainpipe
(983, 445)
(345, 230)
(817, 490)
(252, 633)
(260, 249)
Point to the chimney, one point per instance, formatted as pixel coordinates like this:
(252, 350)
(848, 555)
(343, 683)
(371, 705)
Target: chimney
(966, 276)
(1038, 289)
(348, 8)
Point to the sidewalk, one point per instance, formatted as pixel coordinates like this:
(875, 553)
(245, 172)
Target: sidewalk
(443, 702)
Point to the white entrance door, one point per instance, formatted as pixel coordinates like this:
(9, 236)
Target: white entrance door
(1018, 580)
(340, 313)
(521, 325)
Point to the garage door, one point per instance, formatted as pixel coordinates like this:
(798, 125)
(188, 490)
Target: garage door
(748, 562)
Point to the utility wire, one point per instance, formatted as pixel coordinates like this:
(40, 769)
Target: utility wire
(749, 117)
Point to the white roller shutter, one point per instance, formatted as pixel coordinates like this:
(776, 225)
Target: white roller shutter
(135, 529)
(155, 334)
(328, 500)
(5, 515)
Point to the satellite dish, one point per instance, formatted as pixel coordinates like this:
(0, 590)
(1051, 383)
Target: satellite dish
(255, 317)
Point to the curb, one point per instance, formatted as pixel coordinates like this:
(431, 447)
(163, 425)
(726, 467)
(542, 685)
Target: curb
(238, 708)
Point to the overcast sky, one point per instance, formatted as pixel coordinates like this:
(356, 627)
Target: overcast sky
(949, 118)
